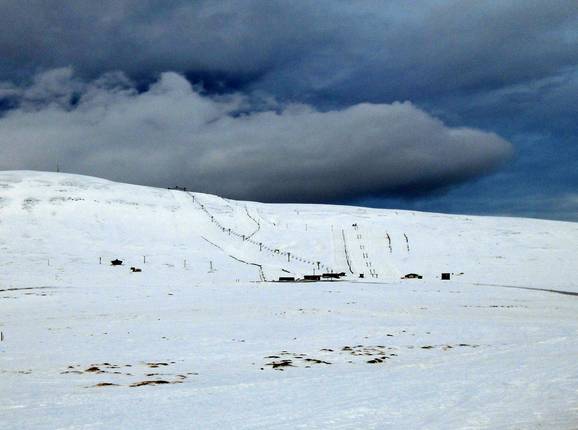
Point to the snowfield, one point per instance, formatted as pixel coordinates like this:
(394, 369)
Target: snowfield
(204, 338)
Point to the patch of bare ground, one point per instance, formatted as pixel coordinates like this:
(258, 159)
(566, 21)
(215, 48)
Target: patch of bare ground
(350, 354)
(119, 371)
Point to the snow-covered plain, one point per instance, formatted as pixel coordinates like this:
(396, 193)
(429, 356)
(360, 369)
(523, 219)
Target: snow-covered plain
(202, 337)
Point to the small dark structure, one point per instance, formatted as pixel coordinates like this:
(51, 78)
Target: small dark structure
(362, 275)
(116, 262)
(135, 270)
(341, 274)
(331, 275)
(286, 279)
(412, 276)
(446, 276)
(312, 277)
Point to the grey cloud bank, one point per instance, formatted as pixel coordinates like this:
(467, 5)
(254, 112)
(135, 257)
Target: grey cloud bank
(174, 134)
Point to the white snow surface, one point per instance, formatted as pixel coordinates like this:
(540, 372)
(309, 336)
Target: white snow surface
(203, 338)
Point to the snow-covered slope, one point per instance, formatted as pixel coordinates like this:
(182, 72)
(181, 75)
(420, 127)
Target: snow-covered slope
(77, 220)
(201, 339)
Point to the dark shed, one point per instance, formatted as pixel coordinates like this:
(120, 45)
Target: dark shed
(412, 276)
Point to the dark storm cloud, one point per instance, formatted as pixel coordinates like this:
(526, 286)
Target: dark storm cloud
(339, 49)
(506, 66)
(171, 133)
(144, 37)
(448, 47)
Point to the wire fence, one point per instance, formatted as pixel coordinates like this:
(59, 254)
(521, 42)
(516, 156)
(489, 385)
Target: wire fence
(249, 238)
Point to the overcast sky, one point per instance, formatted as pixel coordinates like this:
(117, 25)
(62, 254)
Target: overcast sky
(450, 106)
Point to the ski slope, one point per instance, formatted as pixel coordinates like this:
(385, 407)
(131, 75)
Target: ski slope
(204, 338)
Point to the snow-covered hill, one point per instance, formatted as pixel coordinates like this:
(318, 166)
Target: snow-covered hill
(78, 221)
(198, 339)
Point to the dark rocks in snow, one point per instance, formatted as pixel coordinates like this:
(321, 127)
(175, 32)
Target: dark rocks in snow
(106, 384)
(155, 382)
